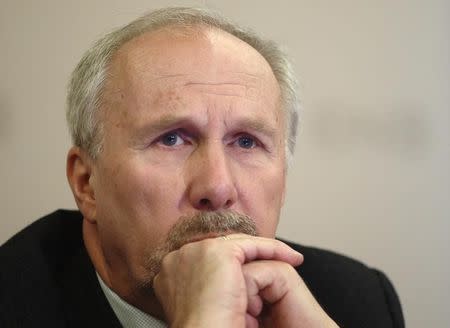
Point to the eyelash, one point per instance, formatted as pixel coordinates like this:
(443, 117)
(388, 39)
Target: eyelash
(178, 133)
(256, 142)
(181, 135)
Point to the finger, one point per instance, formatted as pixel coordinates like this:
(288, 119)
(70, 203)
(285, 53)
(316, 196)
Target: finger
(283, 291)
(260, 248)
(251, 321)
(268, 280)
(254, 300)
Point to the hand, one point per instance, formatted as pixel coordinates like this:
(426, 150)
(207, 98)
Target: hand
(287, 301)
(206, 283)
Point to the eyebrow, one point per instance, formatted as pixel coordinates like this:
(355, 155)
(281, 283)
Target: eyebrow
(163, 123)
(258, 125)
(169, 120)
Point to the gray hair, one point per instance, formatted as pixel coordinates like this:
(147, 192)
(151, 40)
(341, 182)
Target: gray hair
(87, 81)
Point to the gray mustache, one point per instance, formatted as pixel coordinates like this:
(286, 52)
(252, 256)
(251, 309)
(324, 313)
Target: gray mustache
(202, 223)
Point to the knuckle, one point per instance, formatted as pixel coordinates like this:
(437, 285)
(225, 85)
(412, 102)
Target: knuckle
(285, 266)
(209, 243)
(184, 249)
(211, 247)
(157, 284)
(167, 260)
(203, 247)
(290, 272)
(156, 280)
(280, 244)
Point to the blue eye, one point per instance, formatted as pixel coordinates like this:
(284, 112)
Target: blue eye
(246, 142)
(171, 139)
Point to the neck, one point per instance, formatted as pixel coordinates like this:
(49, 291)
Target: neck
(142, 298)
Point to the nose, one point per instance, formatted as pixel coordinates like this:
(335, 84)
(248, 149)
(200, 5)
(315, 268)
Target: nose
(211, 186)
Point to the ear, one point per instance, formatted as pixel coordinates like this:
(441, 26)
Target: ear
(79, 174)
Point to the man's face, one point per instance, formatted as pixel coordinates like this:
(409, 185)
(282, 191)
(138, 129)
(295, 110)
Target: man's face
(192, 122)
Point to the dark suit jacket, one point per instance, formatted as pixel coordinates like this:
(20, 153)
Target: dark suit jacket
(47, 280)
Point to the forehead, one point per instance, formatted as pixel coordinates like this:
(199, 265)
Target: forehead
(209, 54)
(147, 71)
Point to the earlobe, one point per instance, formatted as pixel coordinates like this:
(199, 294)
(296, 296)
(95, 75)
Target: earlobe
(79, 176)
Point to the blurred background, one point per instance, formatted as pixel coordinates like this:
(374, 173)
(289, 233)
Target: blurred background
(370, 177)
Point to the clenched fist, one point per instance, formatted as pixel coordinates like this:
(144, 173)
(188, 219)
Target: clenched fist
(236, 281)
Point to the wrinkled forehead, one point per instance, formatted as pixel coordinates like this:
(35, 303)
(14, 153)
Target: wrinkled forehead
(205, 54)
(165, 72)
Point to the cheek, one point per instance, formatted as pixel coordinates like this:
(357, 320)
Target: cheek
(262, 198)
(137, 200)
(136, 208)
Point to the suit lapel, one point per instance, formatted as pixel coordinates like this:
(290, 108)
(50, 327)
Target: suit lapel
(85, 303)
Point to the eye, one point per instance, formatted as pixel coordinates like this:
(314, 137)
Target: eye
(246, 142)
(171, 139)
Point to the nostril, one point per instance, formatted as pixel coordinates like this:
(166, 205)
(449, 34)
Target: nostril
(228, 203)
(204, 202)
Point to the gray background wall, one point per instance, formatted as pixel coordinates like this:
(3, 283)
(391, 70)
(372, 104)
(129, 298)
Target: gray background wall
(371, 173)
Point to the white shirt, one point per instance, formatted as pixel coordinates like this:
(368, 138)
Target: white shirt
(128, 315)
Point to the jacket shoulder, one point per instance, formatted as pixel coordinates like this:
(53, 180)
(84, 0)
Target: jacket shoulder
(32, 261)
(49, 227)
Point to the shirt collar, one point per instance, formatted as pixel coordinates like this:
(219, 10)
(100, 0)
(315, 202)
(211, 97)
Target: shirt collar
(128, 315)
